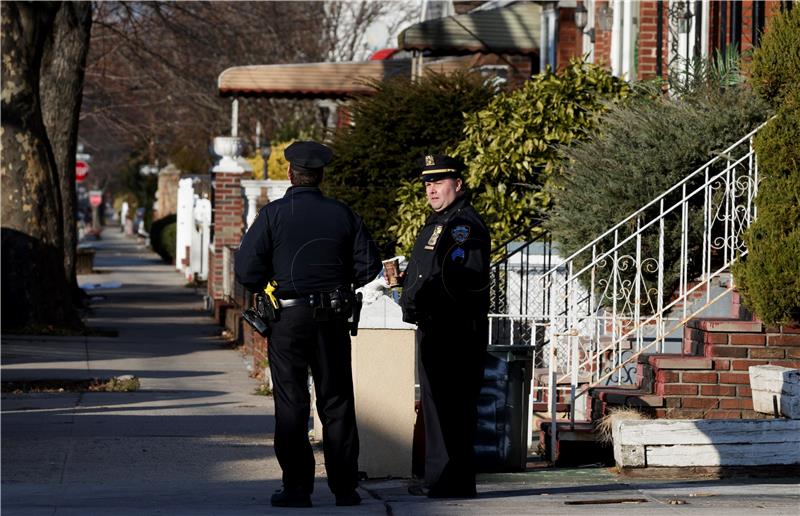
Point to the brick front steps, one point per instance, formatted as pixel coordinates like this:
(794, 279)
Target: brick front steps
(710, 379)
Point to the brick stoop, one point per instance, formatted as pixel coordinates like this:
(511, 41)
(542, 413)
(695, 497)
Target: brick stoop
(710, 380)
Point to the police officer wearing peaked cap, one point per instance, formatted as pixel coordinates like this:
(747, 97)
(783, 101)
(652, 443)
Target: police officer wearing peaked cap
(445, 291)
(317, 251)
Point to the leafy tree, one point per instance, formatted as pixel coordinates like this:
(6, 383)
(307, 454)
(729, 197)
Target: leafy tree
(401, 121)
(512, 148)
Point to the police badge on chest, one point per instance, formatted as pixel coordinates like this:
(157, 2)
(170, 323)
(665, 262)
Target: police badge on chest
(437, 232)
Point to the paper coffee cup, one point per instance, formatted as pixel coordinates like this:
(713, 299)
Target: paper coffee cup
(391, 270)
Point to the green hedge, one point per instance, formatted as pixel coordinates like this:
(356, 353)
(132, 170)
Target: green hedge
(163, 237)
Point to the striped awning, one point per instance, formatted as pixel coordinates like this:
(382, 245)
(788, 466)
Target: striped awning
(513, 29)
(319, 80)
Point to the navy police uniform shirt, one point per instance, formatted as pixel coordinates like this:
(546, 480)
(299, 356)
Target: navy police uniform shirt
(448, 273)
(308, 243)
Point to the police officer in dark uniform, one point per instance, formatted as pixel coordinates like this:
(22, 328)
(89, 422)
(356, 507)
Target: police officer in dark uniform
(445, 292)
(317, 251)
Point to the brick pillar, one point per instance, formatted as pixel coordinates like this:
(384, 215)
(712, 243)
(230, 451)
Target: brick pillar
(602, 38)
(227, 210)
(570, 39)
(648, 39)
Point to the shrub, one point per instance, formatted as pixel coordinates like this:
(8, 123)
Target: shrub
(645, 147)
(512, 148)
(769, 276)
(163, 237)
(403, 120)
(775, 68)
(277, 165)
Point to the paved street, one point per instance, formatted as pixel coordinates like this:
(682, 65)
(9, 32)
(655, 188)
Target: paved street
(196, 440)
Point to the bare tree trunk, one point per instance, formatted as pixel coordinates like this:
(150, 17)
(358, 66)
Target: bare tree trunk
(61, 91)
(34, 289)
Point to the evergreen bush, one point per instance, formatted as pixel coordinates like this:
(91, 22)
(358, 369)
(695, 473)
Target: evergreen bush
(645, 147)
(775, 68)
(400, 122)
(512, 148)
(163, 234)
(769, 276)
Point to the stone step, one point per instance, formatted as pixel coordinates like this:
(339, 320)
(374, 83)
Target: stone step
(543, 406)
(628, 397)
(680, 362)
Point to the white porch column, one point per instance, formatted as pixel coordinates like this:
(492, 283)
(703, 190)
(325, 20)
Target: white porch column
(184, 220)
(252, 189)
(201, 234)
(276, 188)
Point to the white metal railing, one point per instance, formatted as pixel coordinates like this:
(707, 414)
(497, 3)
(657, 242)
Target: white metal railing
(616, 290)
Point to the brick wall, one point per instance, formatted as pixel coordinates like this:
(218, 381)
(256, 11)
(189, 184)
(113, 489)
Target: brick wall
(714, 383)
(648, 40)
(228, 224)
(602, 39)
(570, 39)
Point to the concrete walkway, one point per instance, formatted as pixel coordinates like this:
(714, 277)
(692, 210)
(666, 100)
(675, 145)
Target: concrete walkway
(195, 440)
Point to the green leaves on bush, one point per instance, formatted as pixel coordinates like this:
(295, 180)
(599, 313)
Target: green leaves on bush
(512, 148)
(775, 68)
(163, 233)
(769, 276)
(644, 148)
(403, 120)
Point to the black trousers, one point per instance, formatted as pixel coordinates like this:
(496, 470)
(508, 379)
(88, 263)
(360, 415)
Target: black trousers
(451, 360)
(296, 343)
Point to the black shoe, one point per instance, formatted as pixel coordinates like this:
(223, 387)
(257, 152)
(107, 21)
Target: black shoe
(351, 498)
(290, 498)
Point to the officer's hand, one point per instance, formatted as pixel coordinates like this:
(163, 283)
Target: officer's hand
(401, 278)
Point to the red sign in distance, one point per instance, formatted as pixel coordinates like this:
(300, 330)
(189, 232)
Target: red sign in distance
(81, 170)
(95, 198)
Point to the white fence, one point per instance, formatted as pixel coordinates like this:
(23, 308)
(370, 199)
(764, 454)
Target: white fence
(193, 231)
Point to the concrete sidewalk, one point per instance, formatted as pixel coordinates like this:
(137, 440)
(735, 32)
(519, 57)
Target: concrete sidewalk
(195, 440)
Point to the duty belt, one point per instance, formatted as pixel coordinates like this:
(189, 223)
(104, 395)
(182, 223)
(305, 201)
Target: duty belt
(288, 303)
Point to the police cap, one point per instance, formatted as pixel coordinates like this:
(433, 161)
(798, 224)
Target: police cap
(308, 155)
(434, 167)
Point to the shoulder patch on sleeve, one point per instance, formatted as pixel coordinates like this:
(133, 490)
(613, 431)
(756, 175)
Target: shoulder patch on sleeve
(460, 233)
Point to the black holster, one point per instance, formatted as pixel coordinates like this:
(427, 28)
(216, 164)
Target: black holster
(261, 314)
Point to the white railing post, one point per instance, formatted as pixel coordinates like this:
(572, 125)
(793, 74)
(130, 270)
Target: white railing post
(552, 398)
(252, 190)
(660, 286)
(573, 384)
(200, 251)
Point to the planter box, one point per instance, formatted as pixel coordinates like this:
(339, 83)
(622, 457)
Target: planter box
(774, 389)
(703, 442)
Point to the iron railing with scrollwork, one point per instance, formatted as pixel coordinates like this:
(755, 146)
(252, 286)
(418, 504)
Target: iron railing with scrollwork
(617, 298)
